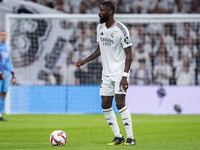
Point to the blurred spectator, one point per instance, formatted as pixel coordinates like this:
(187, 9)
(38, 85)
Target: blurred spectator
(94, 9)
(162, 71)
(171, 4)
(157, 48)
(63, 6)
(140, 6)
(73, 38)
(194, 7)
(193, 49)
(82, 27)
(167, 38)
(134, 65)
(67, 72)
(142, 75)
(198, 76)
(198, 51)
(82, 76)
(75, 5)
(122, 7)
(135, 32)
(145, 40)
(49, 3)
(140, 53)
(187, 32)
(83, 8)
(180, 68)
(186, 77)
(80, 54)
(154, 30)
(179, 51)
(94, 72)
(186, 5)
(158, 6)
(67, 52)
(35, 1)
(93, 36)
(178, 7)
(85, 40)
(162, 50)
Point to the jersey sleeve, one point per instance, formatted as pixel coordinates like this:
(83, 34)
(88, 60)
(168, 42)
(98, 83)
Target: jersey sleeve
(125, 37)
(98, 33)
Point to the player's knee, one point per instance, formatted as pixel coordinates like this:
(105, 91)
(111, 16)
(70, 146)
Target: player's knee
(106, 105)
(120, 105)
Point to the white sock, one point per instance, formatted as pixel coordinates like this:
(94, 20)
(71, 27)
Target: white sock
(112, 121)
(0, 114)
(126, 118)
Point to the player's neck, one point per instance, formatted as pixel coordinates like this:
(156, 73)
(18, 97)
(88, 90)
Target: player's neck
(109, 23)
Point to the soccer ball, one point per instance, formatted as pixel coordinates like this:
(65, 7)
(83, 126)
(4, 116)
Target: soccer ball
(58, 138)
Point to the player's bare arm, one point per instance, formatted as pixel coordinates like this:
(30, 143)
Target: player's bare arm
(13, 77)
(94, 55)
(128, 60)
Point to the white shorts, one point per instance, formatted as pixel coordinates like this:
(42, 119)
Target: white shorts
(110, 85)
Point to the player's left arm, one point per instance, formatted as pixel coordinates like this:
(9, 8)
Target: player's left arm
(126, 44)
(128, 60)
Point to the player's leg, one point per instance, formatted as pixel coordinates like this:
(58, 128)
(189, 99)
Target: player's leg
(107, 93)
(2, 101)
(112, 120)
(126, 118)
(124, 112)
(4, 89)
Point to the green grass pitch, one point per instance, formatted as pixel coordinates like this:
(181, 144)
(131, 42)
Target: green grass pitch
(91, 132)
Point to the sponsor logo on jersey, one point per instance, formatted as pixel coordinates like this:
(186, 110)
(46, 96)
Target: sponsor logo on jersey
(127, 40)
(106, 41)
(112, 34)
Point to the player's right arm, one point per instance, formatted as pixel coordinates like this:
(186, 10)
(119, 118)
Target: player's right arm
(94, 55)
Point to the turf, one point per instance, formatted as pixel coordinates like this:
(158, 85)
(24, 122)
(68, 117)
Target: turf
(91, 132)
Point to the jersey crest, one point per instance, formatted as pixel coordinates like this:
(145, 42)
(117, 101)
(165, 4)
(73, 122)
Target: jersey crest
(112, 35)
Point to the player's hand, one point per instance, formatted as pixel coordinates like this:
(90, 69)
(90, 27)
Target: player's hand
(123, 84)
(2, 76)
(13, 80)
(79, 63)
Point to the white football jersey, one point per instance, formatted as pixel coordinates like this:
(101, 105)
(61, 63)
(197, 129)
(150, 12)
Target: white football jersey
(112, 42)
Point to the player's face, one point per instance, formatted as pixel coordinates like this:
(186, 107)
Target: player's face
(3, 36)
(103, 14)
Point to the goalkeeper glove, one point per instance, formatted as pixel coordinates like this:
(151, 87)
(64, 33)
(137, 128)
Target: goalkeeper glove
(13, 75)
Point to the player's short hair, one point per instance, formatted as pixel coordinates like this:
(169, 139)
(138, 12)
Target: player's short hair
(109, 4)
(2, 31)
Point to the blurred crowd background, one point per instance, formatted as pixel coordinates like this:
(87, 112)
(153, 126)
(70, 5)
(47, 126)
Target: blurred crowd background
(163, 53)
(125, 6)
(167, 54)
